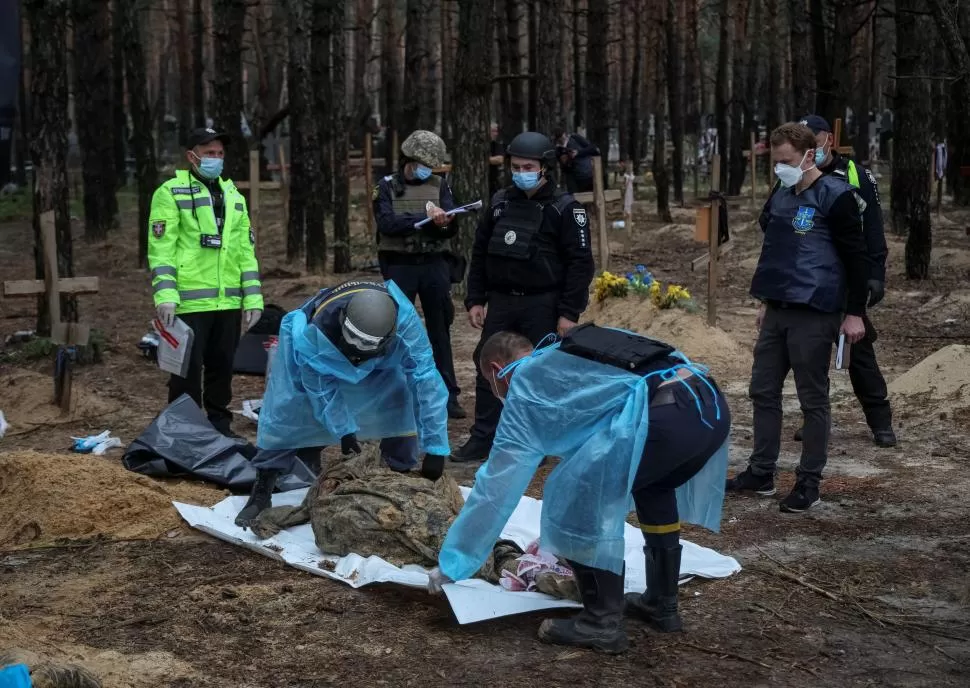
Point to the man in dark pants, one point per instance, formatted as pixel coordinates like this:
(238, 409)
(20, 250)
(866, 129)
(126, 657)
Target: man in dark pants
(415, 258)
(867, 380)
(627, 415)
(530, 270)
(575, 155)
(814, 264)
(201, 250)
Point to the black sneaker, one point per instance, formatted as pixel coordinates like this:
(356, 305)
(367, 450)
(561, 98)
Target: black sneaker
(746, 481)
(455, 411)
(884, 438)
(475, 449)
(802, 498)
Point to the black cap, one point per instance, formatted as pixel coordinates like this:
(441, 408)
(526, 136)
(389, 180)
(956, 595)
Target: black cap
(202, 136)
(815, 123)
(531, 145)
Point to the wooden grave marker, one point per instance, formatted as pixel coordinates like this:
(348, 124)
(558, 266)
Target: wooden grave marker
(707, 229)
(66, 334)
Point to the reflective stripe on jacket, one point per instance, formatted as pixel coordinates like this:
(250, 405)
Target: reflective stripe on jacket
(186, 273)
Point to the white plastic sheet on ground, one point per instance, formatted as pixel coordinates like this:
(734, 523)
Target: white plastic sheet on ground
(471, 600)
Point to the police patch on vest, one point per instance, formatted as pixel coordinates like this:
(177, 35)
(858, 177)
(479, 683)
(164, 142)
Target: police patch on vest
(510, 237)
(804, 219)
(252, 236)
(158, 229)
(579, 214)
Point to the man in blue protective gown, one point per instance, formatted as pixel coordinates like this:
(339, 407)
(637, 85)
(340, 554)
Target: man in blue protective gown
(626, 415)
(353, 363)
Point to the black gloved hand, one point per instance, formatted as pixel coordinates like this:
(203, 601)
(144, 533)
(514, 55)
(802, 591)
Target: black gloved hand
(433, 466)
(349, 445)
(877, 290)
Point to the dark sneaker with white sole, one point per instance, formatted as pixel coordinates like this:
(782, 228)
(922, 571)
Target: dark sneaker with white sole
(802, 498)
(746, 481)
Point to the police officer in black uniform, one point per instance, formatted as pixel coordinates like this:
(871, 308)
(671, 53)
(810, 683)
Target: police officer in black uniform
(415, 259)
(814, 266)
(530, 270)
(868, 382)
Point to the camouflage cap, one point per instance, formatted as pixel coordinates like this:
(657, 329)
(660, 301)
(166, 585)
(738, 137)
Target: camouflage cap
(425, 147)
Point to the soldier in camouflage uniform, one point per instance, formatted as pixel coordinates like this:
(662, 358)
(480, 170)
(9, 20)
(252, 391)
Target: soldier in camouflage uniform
(415, 258)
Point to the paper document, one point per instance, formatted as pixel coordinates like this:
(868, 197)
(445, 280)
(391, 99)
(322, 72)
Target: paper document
(467, 208)
(174, 346)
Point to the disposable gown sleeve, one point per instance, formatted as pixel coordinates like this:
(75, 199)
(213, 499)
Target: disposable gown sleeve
(427, 388)
(499, 485)
(328, 404)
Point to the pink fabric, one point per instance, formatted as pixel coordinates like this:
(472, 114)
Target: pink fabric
(530, 565)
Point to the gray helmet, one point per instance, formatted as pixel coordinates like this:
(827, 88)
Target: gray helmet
(532, 145)
(368, 323)
(425, 147)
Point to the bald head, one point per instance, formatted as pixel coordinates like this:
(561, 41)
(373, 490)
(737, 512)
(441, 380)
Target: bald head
(501, 349)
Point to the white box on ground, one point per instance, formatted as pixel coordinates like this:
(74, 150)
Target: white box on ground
(174, 346)
(471, 600)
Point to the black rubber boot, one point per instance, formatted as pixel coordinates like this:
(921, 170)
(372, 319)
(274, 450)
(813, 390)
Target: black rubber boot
(600, 625)
(260, 499)
(658, 605)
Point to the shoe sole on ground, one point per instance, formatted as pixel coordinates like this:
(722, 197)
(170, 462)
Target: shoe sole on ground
(761, 493)
(784, 508)
(619, 646)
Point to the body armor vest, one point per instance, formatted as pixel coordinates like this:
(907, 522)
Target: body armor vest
(413, 200)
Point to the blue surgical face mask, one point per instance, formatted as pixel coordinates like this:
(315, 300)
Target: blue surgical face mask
(525, 180)
(820, 155)
(210, 168)
(422, 172)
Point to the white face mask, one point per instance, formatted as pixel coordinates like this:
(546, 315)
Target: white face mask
(790, 175)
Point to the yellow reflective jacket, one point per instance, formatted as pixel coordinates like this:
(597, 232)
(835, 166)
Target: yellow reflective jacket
(186, 273)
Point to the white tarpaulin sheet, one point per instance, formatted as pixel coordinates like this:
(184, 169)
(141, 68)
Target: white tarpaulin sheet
(471, 600)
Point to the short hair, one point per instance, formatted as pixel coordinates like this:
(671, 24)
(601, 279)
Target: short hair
(798, 135)
(502, 347)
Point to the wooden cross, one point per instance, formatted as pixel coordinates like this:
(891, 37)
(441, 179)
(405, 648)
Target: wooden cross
(63, 333)
(707, 229)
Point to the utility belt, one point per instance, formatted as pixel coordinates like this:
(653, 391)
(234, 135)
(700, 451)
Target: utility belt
(789, 306)
(519, 291)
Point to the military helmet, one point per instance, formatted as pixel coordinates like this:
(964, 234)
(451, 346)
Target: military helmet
(532, 145)
(368, 323)
(426, 147)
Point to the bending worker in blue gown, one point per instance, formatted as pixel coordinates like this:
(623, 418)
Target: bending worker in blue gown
(626, 415)
(354, 362)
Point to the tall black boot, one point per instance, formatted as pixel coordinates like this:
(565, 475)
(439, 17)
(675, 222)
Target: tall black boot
(658, 605)
(600, 625)
(260, 499)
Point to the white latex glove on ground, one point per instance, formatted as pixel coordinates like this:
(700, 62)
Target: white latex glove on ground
(252, 317)
(436, 579)
(166, 314)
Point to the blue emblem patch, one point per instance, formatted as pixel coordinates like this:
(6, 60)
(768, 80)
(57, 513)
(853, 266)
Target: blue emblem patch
(804, 219)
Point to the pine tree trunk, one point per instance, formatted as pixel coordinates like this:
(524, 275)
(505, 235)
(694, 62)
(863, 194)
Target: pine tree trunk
(911, 153)
(93, 107)
(776, 44)
(390, 73)
(633, 114)
(740, 56)
(692, 70)
(676, 98)
(623, 101)
(533, 85)
(143, 144)
(548, 92)
(802, 64)
(228, 24)
(46, 21)
(362, 39)
(417, 110)
(340, 143)
(579, 63)
(661, 65)
(315, 132)
(598, 77)
(472, 98)
(118, 116)
(198, 63)
(722, 93)
(185, 90)
(958, 141)
(303, 159)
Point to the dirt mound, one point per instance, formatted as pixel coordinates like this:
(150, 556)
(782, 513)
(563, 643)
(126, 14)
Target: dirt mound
(44, 497)
(711, 346)
(27, 400)
(942, 377)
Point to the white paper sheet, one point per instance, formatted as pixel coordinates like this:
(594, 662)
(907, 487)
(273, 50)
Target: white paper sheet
(471, 600)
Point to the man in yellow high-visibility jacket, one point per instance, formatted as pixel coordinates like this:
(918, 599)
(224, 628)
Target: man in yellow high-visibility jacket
(201, 250)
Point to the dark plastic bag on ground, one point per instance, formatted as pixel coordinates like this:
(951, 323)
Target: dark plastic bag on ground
(181, 443)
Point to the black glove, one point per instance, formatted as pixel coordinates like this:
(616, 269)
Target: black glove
(433, 466)
(349, 445)
(877, 290)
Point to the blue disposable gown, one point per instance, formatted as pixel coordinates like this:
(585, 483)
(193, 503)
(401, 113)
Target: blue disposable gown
(594, 417)
(315, 396)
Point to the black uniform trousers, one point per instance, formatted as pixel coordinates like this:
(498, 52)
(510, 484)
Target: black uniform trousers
(533, 316)
(428, 276)
(209, 378)
(867, 381)
(679, 444)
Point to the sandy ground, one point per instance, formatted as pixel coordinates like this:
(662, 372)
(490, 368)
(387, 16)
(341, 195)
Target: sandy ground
(868, 589)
